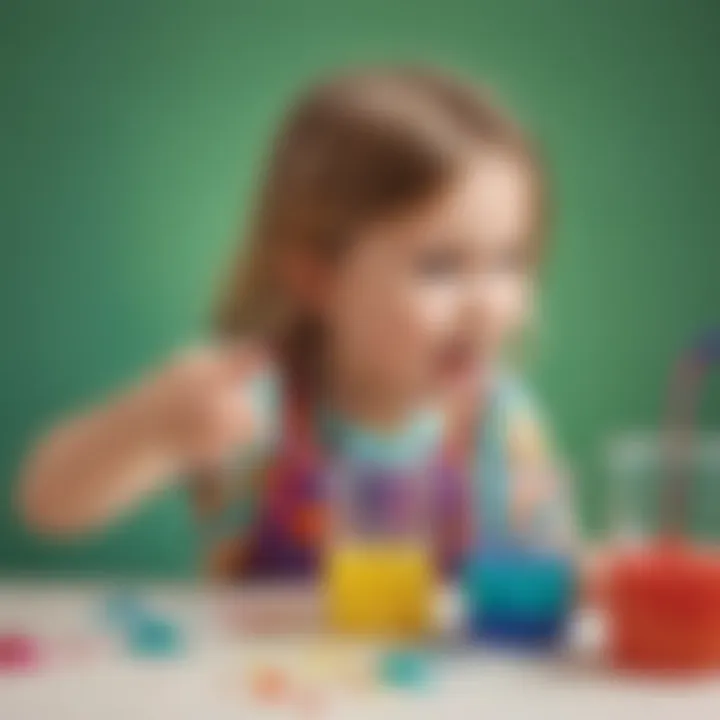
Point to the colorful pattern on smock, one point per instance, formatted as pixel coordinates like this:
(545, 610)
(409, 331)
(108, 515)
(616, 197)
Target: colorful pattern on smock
(290, 520)
(276, 526)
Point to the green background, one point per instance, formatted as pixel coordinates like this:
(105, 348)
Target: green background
(131, 134)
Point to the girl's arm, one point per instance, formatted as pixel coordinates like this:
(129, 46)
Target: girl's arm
(91, 468)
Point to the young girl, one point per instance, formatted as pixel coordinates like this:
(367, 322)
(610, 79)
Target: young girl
(389, 267)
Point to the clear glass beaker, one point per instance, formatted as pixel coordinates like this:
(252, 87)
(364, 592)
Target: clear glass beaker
(519, 584)
(379, 564)
(663, 595)
(638, 481)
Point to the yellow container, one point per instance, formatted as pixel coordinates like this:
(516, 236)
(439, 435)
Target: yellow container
(381, 588)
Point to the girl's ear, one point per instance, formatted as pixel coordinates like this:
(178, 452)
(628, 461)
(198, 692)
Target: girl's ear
(306, 279)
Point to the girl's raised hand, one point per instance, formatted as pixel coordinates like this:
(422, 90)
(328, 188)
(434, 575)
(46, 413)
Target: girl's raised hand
(198, 405)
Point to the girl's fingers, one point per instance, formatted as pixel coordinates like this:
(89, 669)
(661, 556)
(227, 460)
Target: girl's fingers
(244, 359)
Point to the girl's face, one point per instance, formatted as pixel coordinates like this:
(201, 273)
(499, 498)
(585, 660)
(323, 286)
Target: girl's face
(424, 303)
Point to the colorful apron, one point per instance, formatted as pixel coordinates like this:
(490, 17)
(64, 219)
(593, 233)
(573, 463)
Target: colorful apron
(291, 522)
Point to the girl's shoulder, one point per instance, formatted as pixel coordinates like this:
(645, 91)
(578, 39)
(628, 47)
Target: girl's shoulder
(529, 482)
(519, 419)
(512, 391)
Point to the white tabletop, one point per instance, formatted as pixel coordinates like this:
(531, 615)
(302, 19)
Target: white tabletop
(210, 679)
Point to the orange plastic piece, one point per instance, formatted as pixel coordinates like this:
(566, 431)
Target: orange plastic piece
(269, 685)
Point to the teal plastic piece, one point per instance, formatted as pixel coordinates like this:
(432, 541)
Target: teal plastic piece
(145, 633)
(154, 637)
(405, 669)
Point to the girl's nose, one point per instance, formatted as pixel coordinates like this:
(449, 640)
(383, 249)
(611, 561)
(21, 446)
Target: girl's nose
(473, 302)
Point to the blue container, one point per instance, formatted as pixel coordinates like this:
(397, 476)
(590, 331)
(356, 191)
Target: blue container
(519, 596)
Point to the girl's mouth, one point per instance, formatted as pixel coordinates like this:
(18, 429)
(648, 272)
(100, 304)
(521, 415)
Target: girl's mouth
(457, 363)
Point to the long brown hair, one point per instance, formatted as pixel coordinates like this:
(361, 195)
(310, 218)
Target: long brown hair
(354, 149)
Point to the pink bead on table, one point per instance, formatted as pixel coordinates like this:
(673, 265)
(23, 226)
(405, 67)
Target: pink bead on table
(18, 653)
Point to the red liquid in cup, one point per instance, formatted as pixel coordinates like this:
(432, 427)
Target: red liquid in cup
(664, 609)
